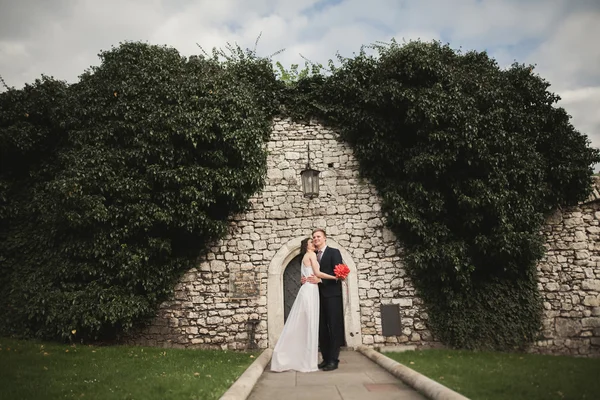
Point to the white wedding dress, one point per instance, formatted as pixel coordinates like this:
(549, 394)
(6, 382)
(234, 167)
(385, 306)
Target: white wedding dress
(298, 346)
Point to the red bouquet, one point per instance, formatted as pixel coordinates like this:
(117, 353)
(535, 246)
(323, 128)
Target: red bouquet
(341, 271)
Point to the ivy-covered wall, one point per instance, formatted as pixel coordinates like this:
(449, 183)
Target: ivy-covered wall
(469, 159)
(112, 187)
(202, 313)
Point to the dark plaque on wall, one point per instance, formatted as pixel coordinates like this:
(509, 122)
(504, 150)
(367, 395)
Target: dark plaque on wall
(390, 320)
(243, 285)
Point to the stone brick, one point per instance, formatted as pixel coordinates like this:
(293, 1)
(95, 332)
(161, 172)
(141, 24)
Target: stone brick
(591, 284)
(566, 327)
(592, 322)
(592, 301)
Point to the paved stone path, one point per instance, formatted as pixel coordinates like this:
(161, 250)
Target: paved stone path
(356, 378)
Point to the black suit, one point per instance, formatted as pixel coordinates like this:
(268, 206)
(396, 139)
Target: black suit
(331, 324)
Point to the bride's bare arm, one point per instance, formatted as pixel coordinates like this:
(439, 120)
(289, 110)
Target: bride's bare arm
(316, 269)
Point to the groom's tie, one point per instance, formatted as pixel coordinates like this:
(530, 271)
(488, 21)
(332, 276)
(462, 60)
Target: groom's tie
(319, 255)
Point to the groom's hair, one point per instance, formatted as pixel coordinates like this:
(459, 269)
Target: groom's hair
(320, 230)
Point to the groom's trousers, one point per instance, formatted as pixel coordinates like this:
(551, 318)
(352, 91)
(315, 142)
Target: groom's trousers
(331, 328)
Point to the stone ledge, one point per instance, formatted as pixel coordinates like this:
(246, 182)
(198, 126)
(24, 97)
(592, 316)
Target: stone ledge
(424, 385)
(241, 388)
(397, 348)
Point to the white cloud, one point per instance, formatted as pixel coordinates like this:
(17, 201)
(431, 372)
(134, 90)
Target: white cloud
(486, 24)
(584, 106)
(569, 59)
(63, 37)
(13, 50)
(570, 56)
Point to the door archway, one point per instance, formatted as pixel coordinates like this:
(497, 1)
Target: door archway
(291, 284)
(276, 297)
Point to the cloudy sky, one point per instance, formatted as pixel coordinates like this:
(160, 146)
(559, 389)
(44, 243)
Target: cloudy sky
(62, 38)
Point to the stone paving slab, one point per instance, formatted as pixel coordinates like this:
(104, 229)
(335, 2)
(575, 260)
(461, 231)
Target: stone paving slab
(356, 378)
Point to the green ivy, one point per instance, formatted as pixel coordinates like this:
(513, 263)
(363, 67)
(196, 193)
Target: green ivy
(113, 186)
(468, 159)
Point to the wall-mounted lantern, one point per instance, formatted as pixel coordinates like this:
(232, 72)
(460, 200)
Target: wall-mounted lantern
(310, 180)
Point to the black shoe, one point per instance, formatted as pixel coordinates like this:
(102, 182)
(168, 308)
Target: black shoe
(322, 364)
(330, 367)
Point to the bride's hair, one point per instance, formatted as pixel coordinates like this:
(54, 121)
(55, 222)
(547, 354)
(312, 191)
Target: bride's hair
(304, 245)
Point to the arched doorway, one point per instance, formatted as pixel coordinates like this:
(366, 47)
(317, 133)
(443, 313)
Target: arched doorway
(276, 288)
(291, 284)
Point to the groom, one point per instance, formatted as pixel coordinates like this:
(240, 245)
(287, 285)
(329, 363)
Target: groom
(331, 324)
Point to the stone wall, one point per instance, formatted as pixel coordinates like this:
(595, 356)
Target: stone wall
(203, 314)
(570, 282)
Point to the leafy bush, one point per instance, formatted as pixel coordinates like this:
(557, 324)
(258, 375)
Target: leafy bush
(113, 186)
(468, 159)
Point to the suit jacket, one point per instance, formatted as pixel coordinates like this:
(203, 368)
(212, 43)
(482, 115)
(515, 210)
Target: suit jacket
(330, 258)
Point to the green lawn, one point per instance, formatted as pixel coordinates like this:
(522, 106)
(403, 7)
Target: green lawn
(496, 376)
(36, 370)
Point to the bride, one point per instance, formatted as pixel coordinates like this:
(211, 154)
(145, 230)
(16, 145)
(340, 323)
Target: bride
(298, 346)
